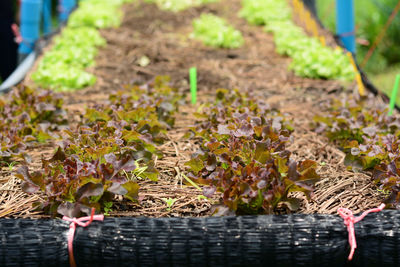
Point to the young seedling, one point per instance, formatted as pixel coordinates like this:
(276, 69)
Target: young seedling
(10, 165)
(131, 176)
(107, 208)
(169, 201)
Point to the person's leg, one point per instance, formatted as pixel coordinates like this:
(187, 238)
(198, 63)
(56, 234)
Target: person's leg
(8, 50)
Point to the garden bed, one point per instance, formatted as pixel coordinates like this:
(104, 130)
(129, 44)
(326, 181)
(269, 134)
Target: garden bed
(162, 38)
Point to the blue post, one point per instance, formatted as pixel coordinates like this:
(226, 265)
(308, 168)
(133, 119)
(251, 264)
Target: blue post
(65, 7)
(345, 23)
(46, 16)
(30, 24)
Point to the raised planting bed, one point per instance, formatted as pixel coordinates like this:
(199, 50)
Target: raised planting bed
(135, 146)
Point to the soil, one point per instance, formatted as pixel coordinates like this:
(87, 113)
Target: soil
(163, 37)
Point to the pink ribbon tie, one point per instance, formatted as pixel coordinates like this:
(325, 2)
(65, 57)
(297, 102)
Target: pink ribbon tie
(350, 220)
(83, 222)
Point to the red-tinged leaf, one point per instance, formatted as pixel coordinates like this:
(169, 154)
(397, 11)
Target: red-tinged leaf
(292, 203)
(220, 210)
(371, 131)
(306, 165)
(261, 184)
(126, 164)
(244, 130)
(212, 146)
(223, 129)
(29, 188)
(211, 163)
(90, 189)
(59, 155)
(117, 188)
(71, 210)
(276, 123)
(23, 173)
(292, 172)
(209, 191)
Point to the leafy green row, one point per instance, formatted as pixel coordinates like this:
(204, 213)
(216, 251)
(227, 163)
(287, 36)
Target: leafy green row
(215, 31)
(98, 14)
(243, 155)
(370, 139)
(26, 117)
(63, 68)
(106, 156)
(311, 59)
(179, 5)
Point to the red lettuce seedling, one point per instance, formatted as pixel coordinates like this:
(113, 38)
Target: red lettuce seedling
(243, 155)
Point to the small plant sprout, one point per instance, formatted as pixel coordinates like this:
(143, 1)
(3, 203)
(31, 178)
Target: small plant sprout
(383, 191)
(107, 208)
(10, 165)
(136, 173)
(169, 201)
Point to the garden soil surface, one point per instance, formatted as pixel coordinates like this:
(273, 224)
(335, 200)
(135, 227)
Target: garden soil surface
(163, 38)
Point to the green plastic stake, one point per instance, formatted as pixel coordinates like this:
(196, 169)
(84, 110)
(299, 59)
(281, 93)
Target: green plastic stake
(394, 94)
(193, 84)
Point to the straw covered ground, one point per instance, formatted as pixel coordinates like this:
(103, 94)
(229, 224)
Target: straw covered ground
(162, 37)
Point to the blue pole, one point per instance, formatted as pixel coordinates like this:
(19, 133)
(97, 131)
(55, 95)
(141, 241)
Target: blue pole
(345, 23)
(46, 16)
(65, 7)
(30, 24)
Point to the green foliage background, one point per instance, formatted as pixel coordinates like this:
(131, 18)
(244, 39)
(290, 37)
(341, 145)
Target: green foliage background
(371, 16)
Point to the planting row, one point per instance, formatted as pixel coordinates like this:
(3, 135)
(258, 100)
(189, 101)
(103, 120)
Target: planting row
(310, 58)
(63, 67)
(242, 152)
(370, 139)
(112, 148)
(243, 155)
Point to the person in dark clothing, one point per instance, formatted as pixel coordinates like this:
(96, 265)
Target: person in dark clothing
(8, 44)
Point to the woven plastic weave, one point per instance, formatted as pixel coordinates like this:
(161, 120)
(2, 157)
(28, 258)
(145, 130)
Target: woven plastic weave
(289, 240)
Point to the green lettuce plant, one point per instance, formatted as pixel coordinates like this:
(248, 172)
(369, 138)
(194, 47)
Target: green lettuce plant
(310, 58)
(215, 31)
(63, 67)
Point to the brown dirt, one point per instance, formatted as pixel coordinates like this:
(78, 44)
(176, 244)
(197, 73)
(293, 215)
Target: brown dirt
(163, 38)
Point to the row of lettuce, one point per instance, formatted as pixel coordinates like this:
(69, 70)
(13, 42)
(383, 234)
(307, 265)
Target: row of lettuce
(242, 160)
(107, 154)
(242, 154)
(370, 139)
(64, 66)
